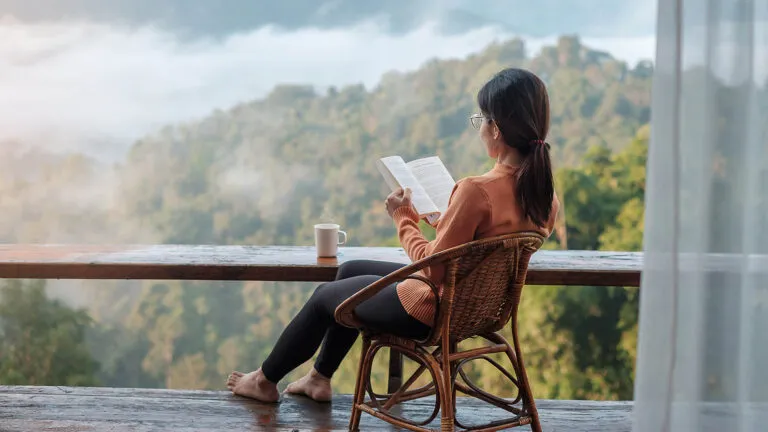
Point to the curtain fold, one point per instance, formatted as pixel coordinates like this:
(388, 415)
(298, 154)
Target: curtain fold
(703, 333)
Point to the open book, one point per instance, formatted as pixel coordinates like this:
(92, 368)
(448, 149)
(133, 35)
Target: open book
(429, 181)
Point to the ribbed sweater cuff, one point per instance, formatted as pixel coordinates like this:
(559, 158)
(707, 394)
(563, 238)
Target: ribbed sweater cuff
(405, 213)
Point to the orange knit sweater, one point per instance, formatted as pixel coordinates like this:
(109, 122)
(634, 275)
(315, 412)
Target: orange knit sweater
(479, 207)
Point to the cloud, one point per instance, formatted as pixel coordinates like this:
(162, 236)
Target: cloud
(636, 17)
(98, 87)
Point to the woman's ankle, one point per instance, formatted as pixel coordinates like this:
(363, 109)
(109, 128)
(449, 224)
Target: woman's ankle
(261, 378)
(315, 374)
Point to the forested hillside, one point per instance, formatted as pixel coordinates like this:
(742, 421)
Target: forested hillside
(265, 171)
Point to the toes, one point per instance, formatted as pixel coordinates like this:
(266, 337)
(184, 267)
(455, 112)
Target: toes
(233, 380)
(294, 388)
(235, 376)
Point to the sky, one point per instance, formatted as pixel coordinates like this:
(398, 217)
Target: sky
(194, 18)
(94, 79)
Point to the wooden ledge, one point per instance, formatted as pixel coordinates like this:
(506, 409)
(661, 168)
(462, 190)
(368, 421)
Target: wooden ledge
(75, 409)
(276, 263)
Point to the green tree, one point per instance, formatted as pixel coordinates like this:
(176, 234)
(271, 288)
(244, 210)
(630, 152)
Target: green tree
(42, 342)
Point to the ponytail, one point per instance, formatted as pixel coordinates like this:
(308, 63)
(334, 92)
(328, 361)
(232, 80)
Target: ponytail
(535, 184)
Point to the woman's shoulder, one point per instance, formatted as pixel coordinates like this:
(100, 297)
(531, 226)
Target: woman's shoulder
(470, 182)
(471, 188)
(484, 183)
(478, 180)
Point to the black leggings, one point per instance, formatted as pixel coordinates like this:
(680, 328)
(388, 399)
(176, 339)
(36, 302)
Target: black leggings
(315, 324)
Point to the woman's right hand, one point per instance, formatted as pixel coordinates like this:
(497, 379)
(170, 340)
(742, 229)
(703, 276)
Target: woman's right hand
(397, 199)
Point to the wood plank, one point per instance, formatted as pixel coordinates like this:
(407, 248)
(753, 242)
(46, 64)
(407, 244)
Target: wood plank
(27, 409)
(276, 263)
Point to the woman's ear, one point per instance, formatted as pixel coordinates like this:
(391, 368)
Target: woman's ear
(495, 131)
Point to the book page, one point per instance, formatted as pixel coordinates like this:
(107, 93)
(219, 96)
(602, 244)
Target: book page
(434, 177)
(397, 174)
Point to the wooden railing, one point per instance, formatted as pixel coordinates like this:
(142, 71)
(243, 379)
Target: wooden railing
(277, 263)
(280, 263)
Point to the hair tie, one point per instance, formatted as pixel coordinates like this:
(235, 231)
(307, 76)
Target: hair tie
(538, 142)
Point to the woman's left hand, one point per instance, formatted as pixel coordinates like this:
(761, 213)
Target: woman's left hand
(397, 199)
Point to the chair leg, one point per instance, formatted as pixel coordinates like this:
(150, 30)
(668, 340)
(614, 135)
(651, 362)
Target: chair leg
(452, 370)
(529, 403)
(354, 421)
(447, 405)
(535, 424)
(447, 411)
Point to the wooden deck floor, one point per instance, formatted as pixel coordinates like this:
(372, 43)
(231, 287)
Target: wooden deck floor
(68, 409)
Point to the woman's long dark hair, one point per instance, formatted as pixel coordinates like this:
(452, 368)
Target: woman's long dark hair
(516, 101)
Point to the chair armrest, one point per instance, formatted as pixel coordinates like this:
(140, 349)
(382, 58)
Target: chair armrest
(345, 312)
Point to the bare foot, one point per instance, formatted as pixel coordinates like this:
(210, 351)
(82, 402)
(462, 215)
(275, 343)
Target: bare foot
(253, 385)
(312, 385)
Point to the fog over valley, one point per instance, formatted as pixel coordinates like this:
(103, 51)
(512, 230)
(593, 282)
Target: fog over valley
(99, 81)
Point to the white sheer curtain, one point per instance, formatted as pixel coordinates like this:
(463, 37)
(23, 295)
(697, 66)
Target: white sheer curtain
(703, 343)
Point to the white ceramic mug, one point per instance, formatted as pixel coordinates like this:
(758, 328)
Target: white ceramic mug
(328, 237)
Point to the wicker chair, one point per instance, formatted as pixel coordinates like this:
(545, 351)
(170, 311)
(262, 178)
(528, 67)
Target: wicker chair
(480, 294)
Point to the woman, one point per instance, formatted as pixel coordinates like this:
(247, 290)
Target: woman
(516, 195)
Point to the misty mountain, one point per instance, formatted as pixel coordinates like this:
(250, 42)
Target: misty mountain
(196, 18)
(263, 171)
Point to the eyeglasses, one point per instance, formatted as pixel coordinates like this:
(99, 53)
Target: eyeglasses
(476, 120)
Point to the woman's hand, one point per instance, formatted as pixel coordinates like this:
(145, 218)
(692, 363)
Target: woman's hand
(397, 199)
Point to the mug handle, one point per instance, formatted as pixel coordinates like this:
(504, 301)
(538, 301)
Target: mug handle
(343, 238)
